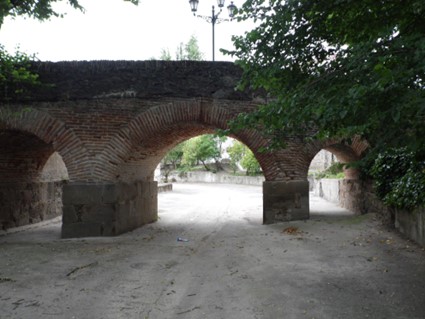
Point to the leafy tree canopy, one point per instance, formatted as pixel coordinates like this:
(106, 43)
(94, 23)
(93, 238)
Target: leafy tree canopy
(200, 149)
(337, 68)
(174, 156)
(250, 163)
(240, 153)
(38, 9)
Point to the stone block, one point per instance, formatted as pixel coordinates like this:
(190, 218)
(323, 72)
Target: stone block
(135, 205)
(126, 191)
(285, 201)
(411, 224)
(80, 193)
(69, 214)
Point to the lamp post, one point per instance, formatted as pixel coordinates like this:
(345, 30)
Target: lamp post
(213, 19)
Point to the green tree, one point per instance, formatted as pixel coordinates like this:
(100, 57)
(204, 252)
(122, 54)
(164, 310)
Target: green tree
(241, 154)
(236, 152)
(250, 163)
(337, 68)
(171, 160)
(192, 51)
(200, 149)
(180, 54)
(165, 55)
(189, 51)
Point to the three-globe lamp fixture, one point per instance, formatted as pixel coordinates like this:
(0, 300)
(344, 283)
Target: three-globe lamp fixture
(213, 19)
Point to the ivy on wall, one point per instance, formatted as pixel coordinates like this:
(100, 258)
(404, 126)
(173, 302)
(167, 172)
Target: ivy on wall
(399, 178)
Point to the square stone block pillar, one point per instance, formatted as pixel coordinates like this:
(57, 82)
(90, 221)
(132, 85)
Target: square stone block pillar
(285, 201)
(107, 209)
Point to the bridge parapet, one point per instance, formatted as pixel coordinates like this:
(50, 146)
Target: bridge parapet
(138, 79)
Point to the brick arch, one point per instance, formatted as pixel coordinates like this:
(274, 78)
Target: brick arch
(150, 135)
(22, 156)
(52, 132)
(344, 152)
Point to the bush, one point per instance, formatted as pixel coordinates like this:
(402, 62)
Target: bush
(408, 191)
(399, 178)
(16, 78)
(389, 167)
(336, 170)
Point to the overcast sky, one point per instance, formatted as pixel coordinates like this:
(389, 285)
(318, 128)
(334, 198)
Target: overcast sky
(115, 29)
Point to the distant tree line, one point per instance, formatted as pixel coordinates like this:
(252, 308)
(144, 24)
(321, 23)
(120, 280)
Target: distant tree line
(206, 152)
(185, 51)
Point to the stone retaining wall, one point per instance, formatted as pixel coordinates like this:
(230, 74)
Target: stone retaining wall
(165, 187)
(359, 197)
(209, 177)
(411, 224)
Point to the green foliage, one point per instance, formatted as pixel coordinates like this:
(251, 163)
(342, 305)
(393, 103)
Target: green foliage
(399, 178)
(336, 170)
(165, 55)
(40, 10)
(189, 51)
(240, 153)
(37, 9)
(200, 149)
(15, 75)
(174, 156)
(337, 68)
(389, 167)
(250, 163)
(236, 153)
(192, 51)
(408, 191)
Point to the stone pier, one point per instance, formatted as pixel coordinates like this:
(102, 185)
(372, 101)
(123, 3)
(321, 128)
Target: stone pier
(285, 201)
(107, 209)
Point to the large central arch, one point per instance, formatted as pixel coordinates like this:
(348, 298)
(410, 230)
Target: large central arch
(127, 196)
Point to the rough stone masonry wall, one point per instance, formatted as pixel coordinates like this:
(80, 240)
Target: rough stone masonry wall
(28, 202)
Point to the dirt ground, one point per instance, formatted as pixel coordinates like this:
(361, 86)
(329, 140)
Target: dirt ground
(334, 265)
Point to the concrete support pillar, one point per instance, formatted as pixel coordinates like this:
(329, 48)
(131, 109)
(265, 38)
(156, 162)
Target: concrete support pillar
(285, 201)
(107, 209)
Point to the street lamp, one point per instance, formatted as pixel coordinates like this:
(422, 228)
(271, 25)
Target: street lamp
(213, 19)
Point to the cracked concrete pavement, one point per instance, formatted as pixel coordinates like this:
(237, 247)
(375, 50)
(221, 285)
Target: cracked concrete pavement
(334, 265)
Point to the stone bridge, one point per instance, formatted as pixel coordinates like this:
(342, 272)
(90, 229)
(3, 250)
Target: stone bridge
(86, 145)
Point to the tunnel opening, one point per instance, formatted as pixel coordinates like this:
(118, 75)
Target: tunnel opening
(31, 180)
(212, 178)
(332, 182)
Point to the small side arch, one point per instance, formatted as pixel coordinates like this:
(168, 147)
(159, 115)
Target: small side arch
(52, 132)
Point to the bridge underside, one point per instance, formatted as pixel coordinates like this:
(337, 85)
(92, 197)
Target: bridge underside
(112, 209)
(110, 124)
